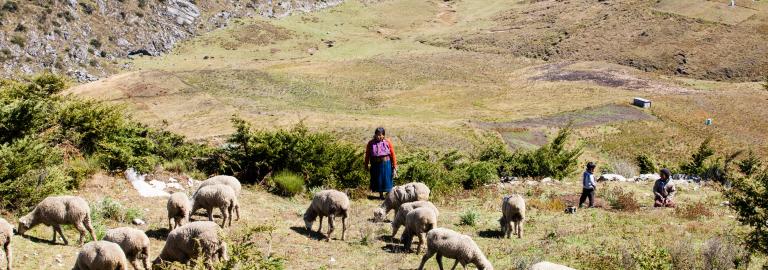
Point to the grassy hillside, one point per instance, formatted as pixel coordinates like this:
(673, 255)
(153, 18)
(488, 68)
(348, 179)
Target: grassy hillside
(357, 66)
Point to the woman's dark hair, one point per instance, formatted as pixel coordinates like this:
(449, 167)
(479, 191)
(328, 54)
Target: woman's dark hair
(380, 130)
(666, 172)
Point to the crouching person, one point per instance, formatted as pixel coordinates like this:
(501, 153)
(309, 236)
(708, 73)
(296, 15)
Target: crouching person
(663, 191)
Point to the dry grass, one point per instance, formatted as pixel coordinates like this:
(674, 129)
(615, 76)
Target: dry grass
(549, 235)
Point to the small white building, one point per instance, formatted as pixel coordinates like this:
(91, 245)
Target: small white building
(642, 103)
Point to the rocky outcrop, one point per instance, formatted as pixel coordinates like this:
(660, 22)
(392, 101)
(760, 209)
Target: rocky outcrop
(83, 39)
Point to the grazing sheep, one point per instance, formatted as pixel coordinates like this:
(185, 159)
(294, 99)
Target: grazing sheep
(230, 181)
(451, 244)
(183, 244)
(410, 192)
(330, 203)
(219, 196)
(512, 210)
(418, 222)
(179, 208)
(6, 234)
(101, 255)
(135, 244)
(57, 210)
(404, 209)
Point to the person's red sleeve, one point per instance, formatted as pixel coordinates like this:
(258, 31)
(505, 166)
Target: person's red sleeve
(392, 153)
(367, 154)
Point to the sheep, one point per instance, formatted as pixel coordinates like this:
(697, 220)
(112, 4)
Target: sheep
(101, 255)
(219, 196)
(410, 192)
(403, 210)
(223, 180)
(230, 181)
(135, 244)
(183, 243)
(330, 203)
(57, 210)
(451, 244)
(6, 234)
(179, 208)
(418, 222)
(512, 210)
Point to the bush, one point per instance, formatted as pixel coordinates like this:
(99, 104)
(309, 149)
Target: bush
(697, 165)
(253, 154)
(723, 253)
(10, 6)
(649, 258)
(19, 40)
(110, 209)
(96, 43)
(750, 165)
(432, 169)
(747, 197)
(469, 218)
(693, 211)
(622, 200)
(287, 183)
(550, 160)
(646, 164)
(480, 173)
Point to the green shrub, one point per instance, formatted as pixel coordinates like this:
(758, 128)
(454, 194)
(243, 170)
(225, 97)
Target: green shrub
(287, 183)
(550, 160)
(646, 164)
(622, 200)
(697, 165)
(480, 173)
(253, 154)
(110, 209)
(747, 198)
(96, 43)
(10, 6)
(469, 218)
(80, 169)
(750, 165)
(21, 41)
(650, 258)
(430, 169)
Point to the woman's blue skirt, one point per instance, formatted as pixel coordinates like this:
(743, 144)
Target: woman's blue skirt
(381, 176)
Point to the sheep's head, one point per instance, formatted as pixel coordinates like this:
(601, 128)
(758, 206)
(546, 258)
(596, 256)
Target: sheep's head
(309, 219)
(379, 214)
(25, 223)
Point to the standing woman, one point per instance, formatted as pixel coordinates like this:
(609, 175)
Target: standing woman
(380, 155)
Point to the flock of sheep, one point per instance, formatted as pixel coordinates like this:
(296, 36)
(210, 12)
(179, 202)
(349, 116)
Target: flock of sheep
(185, 242)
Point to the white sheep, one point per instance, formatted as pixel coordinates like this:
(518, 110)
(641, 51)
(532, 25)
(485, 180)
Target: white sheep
(101, 255)
(218, 196)
(418, 222)
(404, 209)
(184, 243)
(179, 208)
(512, 210)
(230, 181)
(450, 244)
(57, 210)
(134, 242)
(330, 203)
(410, 192)
(6, 234)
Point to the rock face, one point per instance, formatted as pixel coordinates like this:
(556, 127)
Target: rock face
(82, 38)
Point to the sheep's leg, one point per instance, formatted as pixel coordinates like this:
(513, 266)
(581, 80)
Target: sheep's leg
(330, 226)
(320, 229)
(520, 229)
(89, 226)
(135, 264)
(421, 240)
(426, 257)
(231, 210)
(8, 256)
(237, 211)
(171, 220)
(81, 228)
(224, 216)
(343, 227)
(394, 231)
(210, 213)
(454, 265)
(57, 228)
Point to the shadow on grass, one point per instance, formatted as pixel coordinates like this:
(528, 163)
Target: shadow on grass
(490, 234)
(375, 198)
(388, 239)
(311, 234)
(34, 239)
(394, 248)
(158, 233)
